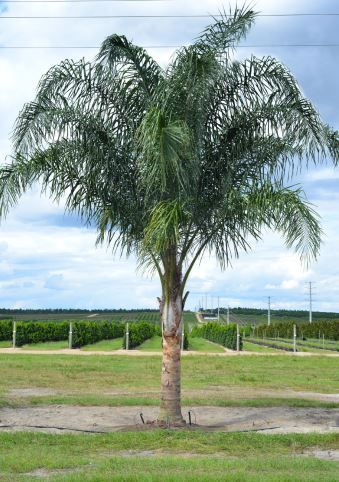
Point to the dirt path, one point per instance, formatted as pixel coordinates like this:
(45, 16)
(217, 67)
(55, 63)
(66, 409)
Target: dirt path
(15, 351)
(58, 419)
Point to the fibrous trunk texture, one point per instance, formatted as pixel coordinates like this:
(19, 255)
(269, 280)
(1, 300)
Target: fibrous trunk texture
(170, 407)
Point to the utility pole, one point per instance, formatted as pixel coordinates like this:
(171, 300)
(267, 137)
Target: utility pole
(218, 308)
(269, 311)
(310, 300)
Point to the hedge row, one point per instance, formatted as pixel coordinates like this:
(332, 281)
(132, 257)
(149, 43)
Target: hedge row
(329, 328)
(6, 330)
(84, 332)
(139, 332)
(225, 335)
(88, 332)
(37, 332)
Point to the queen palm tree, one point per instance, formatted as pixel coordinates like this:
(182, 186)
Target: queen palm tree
(171, 163)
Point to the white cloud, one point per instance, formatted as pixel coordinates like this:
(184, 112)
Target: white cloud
(37, 251)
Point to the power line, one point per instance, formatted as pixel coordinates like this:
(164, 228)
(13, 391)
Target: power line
(67, 47)
(81, 1)
(97, 17)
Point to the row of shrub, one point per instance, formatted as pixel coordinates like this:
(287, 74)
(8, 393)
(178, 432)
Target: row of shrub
(88, 332)
(83, 332)
(329, 328)
(37, 332)
(6, 330)
(138, 333)
(225, 335)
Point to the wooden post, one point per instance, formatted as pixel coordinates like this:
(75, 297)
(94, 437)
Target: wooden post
(14, 334)
(238, 338)
(323, 341)
(294, 338)
(70, 336)
(127, 337)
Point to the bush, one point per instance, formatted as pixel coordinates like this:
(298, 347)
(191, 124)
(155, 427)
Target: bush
(88, 332)
(329, 328)
(138, 333)
(6, 330)
(36, 332)
(84, 332)
(225, 335)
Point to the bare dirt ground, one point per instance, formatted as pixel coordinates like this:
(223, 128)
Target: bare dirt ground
(111, 419)
(75, 351)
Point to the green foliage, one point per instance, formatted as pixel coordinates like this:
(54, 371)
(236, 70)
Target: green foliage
(139, 332)
(197, 152)
(6, 330)
(36, 332)
(329, 328)
(225, 335)
(88, 332)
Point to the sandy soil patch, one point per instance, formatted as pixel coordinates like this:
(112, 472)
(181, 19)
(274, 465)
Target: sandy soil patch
(32, 392)
(109, 419)
(323, 454)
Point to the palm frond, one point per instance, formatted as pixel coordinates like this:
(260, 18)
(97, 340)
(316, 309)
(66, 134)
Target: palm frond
(135, 63)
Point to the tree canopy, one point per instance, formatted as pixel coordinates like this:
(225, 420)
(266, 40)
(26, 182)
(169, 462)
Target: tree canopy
(194, 156)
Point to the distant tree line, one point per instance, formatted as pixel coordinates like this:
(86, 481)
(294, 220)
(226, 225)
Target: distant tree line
(22, 311)
(280, 313)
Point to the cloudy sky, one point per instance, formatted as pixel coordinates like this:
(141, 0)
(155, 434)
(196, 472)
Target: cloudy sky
(48, 259)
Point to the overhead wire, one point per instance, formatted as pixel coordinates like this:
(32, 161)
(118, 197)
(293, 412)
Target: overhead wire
(95, 17)
(62, 47)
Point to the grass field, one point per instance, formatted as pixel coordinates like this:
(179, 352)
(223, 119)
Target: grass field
(200, 344)
(118, 380)
(5, 344)
(48, 345)
(287, 343)
(248, 346)
(105, 345)
(166, 456)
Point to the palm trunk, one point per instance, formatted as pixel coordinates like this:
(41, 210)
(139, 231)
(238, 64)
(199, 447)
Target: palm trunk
(170, 407)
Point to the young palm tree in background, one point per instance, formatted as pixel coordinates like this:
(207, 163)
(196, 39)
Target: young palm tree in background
(169, 164)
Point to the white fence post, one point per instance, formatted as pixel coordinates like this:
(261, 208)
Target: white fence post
(14, 334)
(70, 336)
(238, 338)
(127, 337)
(294, 338)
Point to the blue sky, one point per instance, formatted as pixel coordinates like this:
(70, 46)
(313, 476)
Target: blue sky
(48, 259)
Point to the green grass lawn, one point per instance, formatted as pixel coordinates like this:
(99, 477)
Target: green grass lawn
(104, 345)
(289, 344)
(48, 345)
(5, 344)
(248, 346)
(195, 344)
(166, 456)
(206, 380)
(200, 344)
(153, 344)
